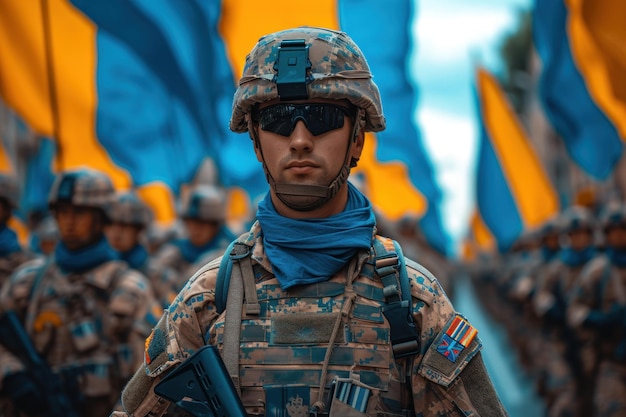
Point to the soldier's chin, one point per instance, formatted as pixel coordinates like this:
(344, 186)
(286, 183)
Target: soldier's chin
(301, 202)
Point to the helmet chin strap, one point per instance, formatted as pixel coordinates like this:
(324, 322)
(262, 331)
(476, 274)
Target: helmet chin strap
(318, 195)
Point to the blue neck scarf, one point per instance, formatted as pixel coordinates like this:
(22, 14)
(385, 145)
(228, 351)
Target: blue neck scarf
(136, 258)
(548, 254)
(617, 256)
(191, 253)
(306, 251)
(84, 259)
(8, 242)
(572, 257)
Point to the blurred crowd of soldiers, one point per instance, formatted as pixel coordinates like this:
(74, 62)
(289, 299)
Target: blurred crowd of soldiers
(90, 285)
(560, 293)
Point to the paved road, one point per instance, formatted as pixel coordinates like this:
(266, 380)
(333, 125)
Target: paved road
(513, 387)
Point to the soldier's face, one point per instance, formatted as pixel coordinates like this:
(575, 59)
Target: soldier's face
(121, 236)
(78, 226)
(302, 157)
(580, 239)
(616, 237)
(200, 232)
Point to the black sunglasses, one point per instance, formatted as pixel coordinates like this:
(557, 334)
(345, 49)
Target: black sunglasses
(319, 118)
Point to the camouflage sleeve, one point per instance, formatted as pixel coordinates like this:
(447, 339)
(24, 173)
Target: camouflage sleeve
(14, 296)
(448, 376)
(179, 333)
(543, 299)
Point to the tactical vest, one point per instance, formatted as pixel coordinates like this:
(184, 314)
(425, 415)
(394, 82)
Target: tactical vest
(351, 337)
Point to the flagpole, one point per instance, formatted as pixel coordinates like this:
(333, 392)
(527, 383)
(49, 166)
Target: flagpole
(52, 91)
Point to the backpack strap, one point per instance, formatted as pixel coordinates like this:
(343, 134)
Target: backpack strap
(390, 266)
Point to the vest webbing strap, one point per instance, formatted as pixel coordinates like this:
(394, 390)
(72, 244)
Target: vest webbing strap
(389, 265)
(241, 282)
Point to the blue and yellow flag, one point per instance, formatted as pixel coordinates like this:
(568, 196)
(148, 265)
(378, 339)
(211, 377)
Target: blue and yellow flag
(143, 91)
(581, 84)
(513, 192)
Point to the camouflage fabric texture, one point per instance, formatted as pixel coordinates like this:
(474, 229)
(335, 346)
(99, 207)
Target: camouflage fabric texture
(338, 70)
(89, 327)
(284, 346)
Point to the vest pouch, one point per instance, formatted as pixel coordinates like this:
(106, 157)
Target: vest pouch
(84, 336)
(349, 398)
(96, 377)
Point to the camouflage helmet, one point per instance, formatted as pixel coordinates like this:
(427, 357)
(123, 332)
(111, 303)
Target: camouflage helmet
(613, 216)
(9, 189)
(305, 63)
(204, 202)
(84, 187)
(128, 208)
(577, 218)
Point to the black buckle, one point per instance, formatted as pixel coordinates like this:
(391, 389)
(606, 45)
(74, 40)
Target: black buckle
(403, 331)
(291, 68)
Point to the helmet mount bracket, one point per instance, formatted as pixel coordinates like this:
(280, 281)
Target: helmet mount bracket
(291, 68)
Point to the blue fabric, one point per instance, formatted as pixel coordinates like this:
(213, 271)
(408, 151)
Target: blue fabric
(306, 251)
(572, 257)
(136, 257)
(589, 136)
(191, 253)
(617, 256)
(8, 242)
(386, 52)
(84, 259)
(548, 254)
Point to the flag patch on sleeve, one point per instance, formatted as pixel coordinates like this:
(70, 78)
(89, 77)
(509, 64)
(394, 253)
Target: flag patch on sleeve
(457, 337)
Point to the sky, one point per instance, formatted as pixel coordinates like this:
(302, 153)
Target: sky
(451, 36)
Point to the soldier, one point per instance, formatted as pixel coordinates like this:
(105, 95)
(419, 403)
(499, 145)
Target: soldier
(550, 301)
(130, 219)
(203, 213)
(597, 311)
(319, 283)
(45, 236)
(11, 252)
(86, 313)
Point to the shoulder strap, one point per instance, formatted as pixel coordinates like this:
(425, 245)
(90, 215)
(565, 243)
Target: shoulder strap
(391, 268)
(237, 252)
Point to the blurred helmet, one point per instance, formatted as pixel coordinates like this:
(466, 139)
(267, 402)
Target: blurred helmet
(306, 63)
(82, 187)
(204, 202)
(613, 216)
(577, 218)
(128, 208)
(9, 189)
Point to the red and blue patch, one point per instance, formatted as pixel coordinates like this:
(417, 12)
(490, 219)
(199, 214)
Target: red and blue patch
(457, 337)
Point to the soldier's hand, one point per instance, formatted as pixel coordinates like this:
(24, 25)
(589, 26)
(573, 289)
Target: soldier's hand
(24, 393)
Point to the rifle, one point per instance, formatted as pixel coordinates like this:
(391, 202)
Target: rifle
(13, 336)
(201, 386)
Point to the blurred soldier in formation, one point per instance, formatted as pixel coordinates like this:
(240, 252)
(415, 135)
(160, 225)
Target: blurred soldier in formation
(11, 252)
(203, 212)
(86, 313)
(45, 236)
(597, 311)
(130, 217)
(555, 283)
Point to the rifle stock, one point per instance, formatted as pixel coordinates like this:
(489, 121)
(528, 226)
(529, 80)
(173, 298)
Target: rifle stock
(201, 386)
(13, 336)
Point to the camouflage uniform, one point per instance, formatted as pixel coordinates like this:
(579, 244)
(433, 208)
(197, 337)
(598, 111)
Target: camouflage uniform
(88, 325)
(598, 313)
(128, 209)
(203, 203)
(11, 253)
(565, 370)
(294, 341)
